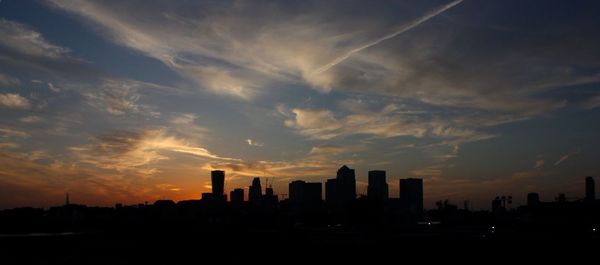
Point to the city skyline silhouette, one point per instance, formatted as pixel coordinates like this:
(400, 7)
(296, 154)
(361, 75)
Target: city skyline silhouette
(314, 131)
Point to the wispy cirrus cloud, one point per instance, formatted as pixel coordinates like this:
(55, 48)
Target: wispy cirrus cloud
(7, 80)
(566, 156)
(403, 29)
(31, 119)
(9, 145)
(137, 151)
(385, 123)
(10, 133)
(41, 179)
(251, 142)
(119, 97)
(14, 101)
(320, 161)
(592, 102)
(247, 49)
(22, 39)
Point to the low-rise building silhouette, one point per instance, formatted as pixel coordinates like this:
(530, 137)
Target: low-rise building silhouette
(207, 196)
(237, 196)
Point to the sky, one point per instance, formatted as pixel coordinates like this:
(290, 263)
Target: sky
(134, 101)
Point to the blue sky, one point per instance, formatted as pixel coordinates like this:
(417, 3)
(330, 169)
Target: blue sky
(132, 101)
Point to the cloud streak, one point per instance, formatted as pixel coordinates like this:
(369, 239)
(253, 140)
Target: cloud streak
(565, 157)
(402, 29)
(14, 101)
(138, 151)
(21, 38)
(390, 121)
(254, 143)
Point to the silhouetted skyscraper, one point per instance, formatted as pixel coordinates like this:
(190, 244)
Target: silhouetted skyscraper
(330, 192)
(533, 199)
(378, 187)
(255, 190)
(296, 191)
(237, 195)
(218, 184)
(67, 202)
(411, 195)
(313, 192)
(345, 185)
(590, 189)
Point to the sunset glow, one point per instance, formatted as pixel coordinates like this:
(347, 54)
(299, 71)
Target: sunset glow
(134, 101)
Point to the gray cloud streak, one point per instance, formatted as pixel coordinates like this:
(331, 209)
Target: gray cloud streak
(403, 29)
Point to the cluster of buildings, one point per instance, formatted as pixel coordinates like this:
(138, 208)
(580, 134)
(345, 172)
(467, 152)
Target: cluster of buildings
(255, 193)
(332, 204)
(340, 191)
(500, 203)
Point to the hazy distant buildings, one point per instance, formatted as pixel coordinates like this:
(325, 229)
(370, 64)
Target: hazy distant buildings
(378, 187)
(255, 191)
(218, 184)
(533, 199)
(561, 197)
(590, 189)
(237, 196)
(497, 206)
(411, 195)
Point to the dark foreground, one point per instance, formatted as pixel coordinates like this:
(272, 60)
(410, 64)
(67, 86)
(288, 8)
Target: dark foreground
(183, 245)
(196, 232)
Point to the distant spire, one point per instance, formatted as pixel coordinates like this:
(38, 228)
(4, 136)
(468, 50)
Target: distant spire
(67, 199)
